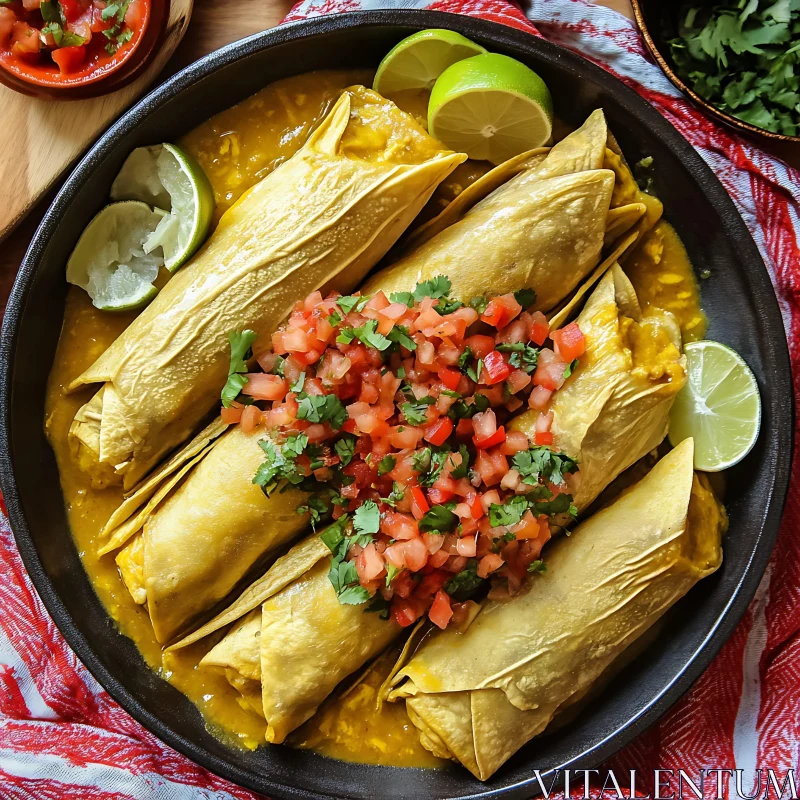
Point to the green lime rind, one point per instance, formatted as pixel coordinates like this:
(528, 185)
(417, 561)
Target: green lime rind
(719, 407)
(418, 60)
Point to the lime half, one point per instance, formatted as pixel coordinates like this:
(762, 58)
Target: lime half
(165, 177)
(719, 407)
(110, 261)
(490, 107)
(418, 60)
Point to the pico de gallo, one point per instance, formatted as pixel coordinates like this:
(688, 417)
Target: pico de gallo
(69, 41)
(392, 412)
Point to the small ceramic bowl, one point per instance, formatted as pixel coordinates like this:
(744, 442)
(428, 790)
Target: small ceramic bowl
(43, 78)
(658, 22)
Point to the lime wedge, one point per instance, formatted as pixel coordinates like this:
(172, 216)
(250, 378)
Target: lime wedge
(490, 107)
(719, 407)
(109, 261)
(418, 60)
(165, 177)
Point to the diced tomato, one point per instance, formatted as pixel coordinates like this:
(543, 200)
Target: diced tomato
(466, 546)
(399, 526)
(230, 416)
(441, 610)
(501, 310)
(464, 429)
(25, 40)
(405, 437)
(545, 438)
(511, 481)
(403, 584)
(569, 342)
(488, 564)
(438, 559)
(450, 378)
(431, 584)
(484, 424)
(540, 330)
(439, 496)
(516, 442)
(369, 564)
(7, 20)
(476, 508)
(491, 466)
(433, 541)
(406, 612)
(495, 368)
(543, 422)
(265, 387)
(72, 9)
(549, 370)
(411, 554)
(251, 418)
(437, 432)
(498, 437)
(419, 504)
(518, 380)
(480, 345)
(539, 397)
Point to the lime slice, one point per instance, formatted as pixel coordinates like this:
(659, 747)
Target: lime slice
(719, 407)
(110, 261)
(490, 107)
(165, 177)
(418, 60)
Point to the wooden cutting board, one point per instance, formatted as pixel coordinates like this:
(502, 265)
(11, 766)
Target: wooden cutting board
(46, 136)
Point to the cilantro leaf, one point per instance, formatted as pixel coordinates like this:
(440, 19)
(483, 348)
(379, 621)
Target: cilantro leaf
(403, 297)
(345, 448)
(391, 571)
(464, 583)
(462, 470)
(523, 356)
(386, 464)
(509, 513)
(241, 342)
(379, 605)
(463, 410)
(395, 496)
(367, 518)
(439, 518)
(400, 335)
(525, 297)
(322, 408)
(316, 508)
(415, 412)
(368, 334)
(571, 367)
(436, 287)
(543, 462)
(537, 566)
(279, 463)
(464, 358)
(350, 302)
(433, 470)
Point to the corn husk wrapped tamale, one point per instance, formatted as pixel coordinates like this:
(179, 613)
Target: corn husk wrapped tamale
(615, 408)
(321, 220)
(478, 696)
(200, 543)
(295, 631)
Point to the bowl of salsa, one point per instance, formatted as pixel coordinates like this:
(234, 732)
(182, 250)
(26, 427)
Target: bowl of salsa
(76, 48)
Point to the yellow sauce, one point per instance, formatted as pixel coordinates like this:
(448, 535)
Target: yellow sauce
(663, 277)
(237, 148)
(349, 727)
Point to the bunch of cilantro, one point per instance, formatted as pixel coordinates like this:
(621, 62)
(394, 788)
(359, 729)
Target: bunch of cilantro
(744, 58)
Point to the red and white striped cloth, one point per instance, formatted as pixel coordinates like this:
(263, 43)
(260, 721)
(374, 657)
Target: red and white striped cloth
(62, 736)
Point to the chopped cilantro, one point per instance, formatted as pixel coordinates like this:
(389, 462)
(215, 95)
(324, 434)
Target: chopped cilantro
(387, 464)
(368, 334)
(316, 508)
(433, 470)
(523, 356)
(475, 374)
(415, 412)
(571, 367)
(401, 372)
(334, 318)
(241, 342)
(436, 287)
(541, 461)
(403, 297)
(298, 385)
(463, 410)
(450, 393)
(525, 297)
(462, 470)
(447, 305)
(391, 571)
(509, 513)
(464, 583)
(279, 463)
(537, 566)
(322, 408)
(464, 358)
(400, 335)
(395, 496)
(348, 303)
(345, 449)
(379, 605)
(367, 518)
(440, 519)
(421, 459)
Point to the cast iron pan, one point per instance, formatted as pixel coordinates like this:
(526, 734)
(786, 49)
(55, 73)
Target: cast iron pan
(738, 298)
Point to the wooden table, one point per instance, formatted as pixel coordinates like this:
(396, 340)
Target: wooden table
(213, 25)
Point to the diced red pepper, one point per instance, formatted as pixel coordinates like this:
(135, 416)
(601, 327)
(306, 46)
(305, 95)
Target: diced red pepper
(450, 378)
(437, 432)
(439, 496)
(498, 437)
(495, 368)
(544, 438)
(419, 503)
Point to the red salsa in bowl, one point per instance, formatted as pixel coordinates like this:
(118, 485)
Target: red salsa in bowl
(65, 48)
